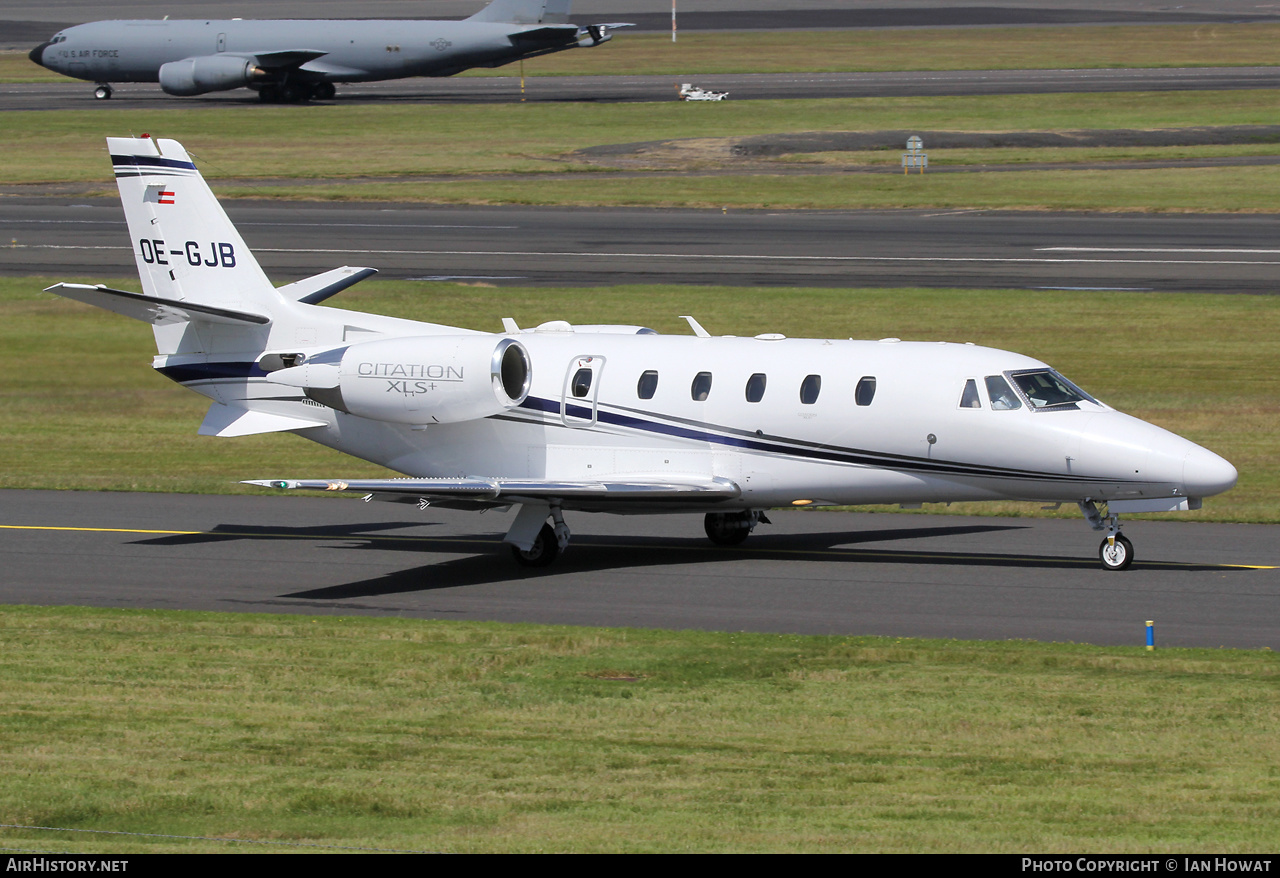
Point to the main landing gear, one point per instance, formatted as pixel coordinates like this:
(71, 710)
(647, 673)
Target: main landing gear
(296, 92)
(536, 542)
(549, 542)
(102, 92)
(1115, 552)
(731, 528)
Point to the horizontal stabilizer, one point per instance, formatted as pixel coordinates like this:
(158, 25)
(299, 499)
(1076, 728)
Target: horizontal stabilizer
(151, 309)
(596, 494)
(226, 421)
(314, 290)
(561, 34)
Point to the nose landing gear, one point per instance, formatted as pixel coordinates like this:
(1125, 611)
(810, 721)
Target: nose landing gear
(102, 92)
(1115, 552)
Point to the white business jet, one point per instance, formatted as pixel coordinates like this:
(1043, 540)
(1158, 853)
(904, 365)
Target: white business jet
(617, 418)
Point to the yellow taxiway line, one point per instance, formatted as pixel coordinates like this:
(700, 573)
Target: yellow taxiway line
(384, 538)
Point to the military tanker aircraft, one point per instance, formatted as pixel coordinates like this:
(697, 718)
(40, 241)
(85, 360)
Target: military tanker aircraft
(291, 61)
(559, 418)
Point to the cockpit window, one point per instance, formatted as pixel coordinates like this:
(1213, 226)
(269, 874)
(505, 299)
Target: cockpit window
(969, 399)
(1046, 389)
(1003, 398)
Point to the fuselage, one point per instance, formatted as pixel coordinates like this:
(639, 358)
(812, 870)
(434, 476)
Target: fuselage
(807, 421)
(349, 51)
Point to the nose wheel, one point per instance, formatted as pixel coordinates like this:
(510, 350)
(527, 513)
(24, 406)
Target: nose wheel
(102, 92)
(1116, 553)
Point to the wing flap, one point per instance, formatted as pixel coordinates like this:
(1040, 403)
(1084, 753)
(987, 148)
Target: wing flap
(603, 493)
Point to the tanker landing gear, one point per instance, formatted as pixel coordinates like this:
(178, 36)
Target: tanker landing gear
(1115, 552)
(731, 528)
(102, 92)
(296, 92)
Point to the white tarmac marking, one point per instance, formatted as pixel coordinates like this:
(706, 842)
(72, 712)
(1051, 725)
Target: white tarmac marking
(121, 222)
(715, 256)
(1156, 250)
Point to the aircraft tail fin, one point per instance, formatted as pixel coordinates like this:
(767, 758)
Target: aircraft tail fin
(525, 12)
(186, 248)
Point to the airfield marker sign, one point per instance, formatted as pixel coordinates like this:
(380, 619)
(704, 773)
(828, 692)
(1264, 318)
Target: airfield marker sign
(913, 157)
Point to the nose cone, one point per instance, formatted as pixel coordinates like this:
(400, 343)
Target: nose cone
(37, 54)
(1205, 473)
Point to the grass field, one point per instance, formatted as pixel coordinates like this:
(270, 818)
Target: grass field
(880, 49)
(448, 154)
(1199, 365)
(471, 737)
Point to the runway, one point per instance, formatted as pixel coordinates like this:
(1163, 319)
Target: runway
(66, 237)
(75, 95)
(810, 572)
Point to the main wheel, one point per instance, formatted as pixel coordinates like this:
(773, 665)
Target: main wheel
(1118, 556)
(727, 528)
(289, 93)
(102, 92)
(324, 91)
(543, 552)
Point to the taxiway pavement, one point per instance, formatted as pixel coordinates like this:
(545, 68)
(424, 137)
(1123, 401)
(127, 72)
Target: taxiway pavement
(810, 572)
(76, 236)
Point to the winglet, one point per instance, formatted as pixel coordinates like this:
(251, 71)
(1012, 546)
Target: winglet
(696, 327)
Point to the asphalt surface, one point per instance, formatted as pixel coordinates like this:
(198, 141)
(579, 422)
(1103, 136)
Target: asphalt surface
(25, 24)
(809, 572)
(76, 237)
(76, 95)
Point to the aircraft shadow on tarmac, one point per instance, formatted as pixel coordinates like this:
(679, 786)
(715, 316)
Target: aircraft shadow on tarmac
(485, 560)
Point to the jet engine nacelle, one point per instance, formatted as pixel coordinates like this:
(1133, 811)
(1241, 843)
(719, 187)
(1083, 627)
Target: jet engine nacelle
(197, 76)
(437, 379)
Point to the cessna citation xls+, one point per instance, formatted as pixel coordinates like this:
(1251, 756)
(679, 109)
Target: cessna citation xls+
(616, 418)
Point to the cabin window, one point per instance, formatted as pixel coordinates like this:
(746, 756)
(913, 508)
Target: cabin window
(810, 388)
(1046, 389)
(581, 384)
(647, 385)
(866, 390)
(969, 399)
(701, 387)
(1002, 396)
(755, 387)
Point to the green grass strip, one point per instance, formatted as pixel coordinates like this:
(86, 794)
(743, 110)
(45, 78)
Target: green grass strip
(476, 737)
(448, 154)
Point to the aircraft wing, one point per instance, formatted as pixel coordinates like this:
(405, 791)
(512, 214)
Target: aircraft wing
(275, 59)
(603, 494)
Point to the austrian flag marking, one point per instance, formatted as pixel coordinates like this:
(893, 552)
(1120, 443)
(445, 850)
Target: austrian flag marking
(160, 195)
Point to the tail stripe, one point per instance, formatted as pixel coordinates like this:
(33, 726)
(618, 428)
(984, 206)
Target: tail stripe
(149, 161)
